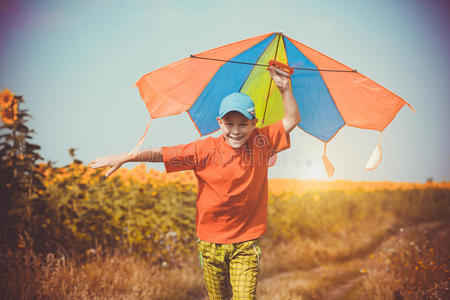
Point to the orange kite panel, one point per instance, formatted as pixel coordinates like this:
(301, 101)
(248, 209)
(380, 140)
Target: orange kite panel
(361, 102)
(173, 89)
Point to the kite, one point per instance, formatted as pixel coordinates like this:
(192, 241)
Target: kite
(329, 94)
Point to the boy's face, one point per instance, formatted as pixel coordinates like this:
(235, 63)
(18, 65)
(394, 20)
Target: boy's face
(236, 128)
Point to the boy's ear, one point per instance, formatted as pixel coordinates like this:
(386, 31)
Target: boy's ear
(219, 120)
(254, 121)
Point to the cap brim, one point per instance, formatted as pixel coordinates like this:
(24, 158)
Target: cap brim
(242, 111)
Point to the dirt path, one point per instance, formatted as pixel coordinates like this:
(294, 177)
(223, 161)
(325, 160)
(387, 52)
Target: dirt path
(341, 290)
(331, 281)
(328, 281)
(324, 282)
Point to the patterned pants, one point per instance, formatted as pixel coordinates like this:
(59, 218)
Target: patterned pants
(230, 269)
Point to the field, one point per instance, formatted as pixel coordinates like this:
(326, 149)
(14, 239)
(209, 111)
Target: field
(132, 237)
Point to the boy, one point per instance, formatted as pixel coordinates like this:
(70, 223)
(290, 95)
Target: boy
(232, 187)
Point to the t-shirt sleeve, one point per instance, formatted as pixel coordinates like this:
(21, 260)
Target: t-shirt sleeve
(180, 157)
(279, 139)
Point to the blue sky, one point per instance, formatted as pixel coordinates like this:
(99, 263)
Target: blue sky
(75, 63)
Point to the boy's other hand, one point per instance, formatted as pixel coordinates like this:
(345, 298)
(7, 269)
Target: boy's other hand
(113, 161)
(280, 78)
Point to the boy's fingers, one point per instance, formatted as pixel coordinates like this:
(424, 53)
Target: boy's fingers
(110, 171)
(281, 72)
(274, 70)
(272, 73)
(95, 165)
(99, 163)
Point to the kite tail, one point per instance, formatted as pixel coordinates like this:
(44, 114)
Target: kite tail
(141, 140)
(328, 166)
(375, 158)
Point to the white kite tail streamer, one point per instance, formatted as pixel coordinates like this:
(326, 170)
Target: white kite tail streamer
(375, 159)
(141, 140)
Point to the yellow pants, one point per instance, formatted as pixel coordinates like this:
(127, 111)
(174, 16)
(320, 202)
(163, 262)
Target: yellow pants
(230, 269)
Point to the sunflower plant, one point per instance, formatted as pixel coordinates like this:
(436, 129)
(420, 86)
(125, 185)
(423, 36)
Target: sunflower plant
(20, 182)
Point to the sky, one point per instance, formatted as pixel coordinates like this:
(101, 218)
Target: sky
(75, 63)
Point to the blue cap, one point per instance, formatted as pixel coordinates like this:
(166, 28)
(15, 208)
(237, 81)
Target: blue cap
(237, 102)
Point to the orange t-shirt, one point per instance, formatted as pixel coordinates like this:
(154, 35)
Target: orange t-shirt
(232, 183)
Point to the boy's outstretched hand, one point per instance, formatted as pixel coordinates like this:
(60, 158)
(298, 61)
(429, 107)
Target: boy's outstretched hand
(291, 113)
(113, 161)
(280, 78)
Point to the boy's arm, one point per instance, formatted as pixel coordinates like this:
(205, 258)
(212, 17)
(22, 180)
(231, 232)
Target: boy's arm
(291, 113)
(116, 161)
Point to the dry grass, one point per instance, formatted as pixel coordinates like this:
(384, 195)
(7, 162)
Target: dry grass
(412, 265)
(113, 277)
(316, 243)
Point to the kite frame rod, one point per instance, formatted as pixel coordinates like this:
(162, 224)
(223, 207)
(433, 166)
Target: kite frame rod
(263, 65)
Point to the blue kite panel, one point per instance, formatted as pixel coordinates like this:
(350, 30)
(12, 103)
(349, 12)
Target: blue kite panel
(228, 79)
(318, 112)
